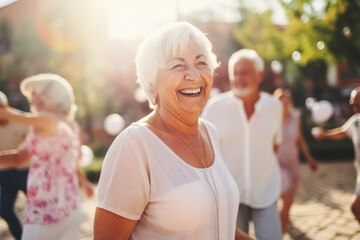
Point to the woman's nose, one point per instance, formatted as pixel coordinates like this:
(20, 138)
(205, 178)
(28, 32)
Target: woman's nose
(192, 74)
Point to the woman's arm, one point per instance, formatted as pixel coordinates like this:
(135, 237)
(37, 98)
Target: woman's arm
(85, 184)
(313, 164)
(240, 235)
(333, 134)
(42, 122)
(13, 158)
(108, 225)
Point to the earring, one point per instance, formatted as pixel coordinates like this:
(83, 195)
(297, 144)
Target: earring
(154, 100)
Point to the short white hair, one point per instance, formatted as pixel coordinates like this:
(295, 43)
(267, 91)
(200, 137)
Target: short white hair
(248, 54)
(354, 92)
(3, 99)
(162, 44)
(57, 90)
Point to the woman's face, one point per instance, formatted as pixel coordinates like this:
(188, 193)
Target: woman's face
(38, 101)
(184, 85)
(355, 101)
(286, 101)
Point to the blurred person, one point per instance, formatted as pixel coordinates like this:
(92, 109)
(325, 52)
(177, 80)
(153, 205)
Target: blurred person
(53, 209)
(163, 177)
(249, 122)
(288, 155)
(350, 129)
(11, 179)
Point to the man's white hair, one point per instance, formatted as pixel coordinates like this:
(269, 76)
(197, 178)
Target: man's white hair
(355, 91)
(164, 43)
(247, 54)
(57, 91)
(3, 99)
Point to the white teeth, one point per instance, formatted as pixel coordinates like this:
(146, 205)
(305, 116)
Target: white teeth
(191, 91)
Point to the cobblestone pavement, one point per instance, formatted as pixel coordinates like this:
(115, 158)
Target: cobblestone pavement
(321, 210)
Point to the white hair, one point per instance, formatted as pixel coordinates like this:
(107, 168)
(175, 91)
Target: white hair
(58, 92)
(3, 99)
(354, 92)
(247, 54)
(162, 44)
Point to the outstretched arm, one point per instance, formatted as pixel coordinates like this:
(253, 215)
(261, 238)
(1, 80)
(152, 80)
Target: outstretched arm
(29, 119)
(13, 158)
(333, 134)
(313, 164)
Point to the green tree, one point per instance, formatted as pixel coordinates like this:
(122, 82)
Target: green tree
(319, 33)
(336, 23)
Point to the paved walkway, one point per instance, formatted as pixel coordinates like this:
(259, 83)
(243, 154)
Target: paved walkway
(321, 210)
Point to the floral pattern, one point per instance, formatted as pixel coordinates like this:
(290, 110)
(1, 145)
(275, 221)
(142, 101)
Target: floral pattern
(52, 182)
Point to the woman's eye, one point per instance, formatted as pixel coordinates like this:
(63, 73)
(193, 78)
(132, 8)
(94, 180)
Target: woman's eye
(202, 63)
(177, 66)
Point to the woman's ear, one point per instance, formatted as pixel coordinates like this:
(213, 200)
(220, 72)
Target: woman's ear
(155, 98)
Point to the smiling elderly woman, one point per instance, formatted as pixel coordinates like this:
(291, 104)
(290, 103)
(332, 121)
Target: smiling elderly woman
(163, 177)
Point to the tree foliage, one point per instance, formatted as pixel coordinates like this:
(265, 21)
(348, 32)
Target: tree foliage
(335, 23)
(326, 31)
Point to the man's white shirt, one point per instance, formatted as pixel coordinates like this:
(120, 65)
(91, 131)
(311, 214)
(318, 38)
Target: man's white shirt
(247, 145)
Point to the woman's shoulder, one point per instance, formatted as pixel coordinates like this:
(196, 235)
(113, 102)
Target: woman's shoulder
(210, 127)
(135, 132)
(353, 118)
(64, 127)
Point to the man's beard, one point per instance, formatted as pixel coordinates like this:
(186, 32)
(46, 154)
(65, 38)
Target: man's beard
(241, 92)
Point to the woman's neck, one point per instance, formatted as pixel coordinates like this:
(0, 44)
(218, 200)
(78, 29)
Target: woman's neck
(184, 125)
(286, 114)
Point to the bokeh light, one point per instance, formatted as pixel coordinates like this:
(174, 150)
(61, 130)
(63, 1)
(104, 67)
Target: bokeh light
(309, 102)
(320, 45)
(114, 124)
(87, 156)
(322, 111)
(276, 66)
(346, 31)
(296, 56)
(304, 18)
(139, 95)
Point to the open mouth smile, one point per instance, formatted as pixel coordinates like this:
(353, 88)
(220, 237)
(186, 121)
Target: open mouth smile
(191, 92)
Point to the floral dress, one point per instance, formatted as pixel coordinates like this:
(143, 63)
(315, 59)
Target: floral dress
(52, 181)
(289, 155)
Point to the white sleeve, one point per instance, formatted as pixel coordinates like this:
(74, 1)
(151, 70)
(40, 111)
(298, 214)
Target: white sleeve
(210, 128)
(208, 111)
(348, 125)
(124, 182)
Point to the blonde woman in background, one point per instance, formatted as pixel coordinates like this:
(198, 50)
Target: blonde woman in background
(288, 154)
(53, 209)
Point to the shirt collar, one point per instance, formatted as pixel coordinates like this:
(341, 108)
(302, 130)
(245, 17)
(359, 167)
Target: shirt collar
(258, 105)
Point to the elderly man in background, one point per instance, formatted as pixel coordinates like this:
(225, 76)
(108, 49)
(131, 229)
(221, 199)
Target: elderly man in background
(11, 179)
(249, 126)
